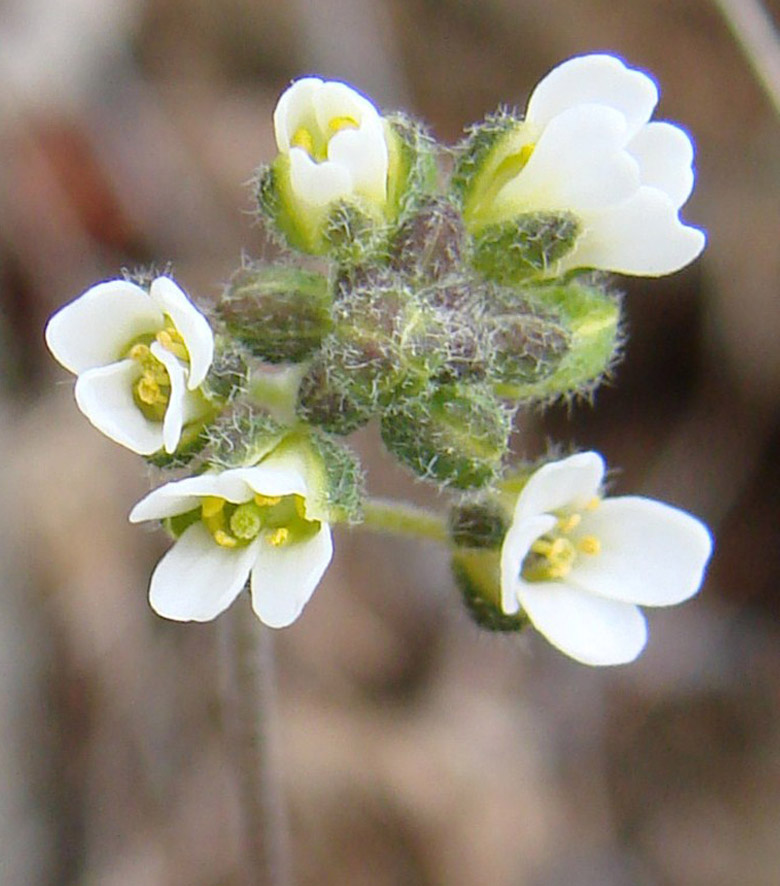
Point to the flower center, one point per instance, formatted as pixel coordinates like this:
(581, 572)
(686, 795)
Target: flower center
(279, 519)
(315, 142)
(152, 391)
(553, 556)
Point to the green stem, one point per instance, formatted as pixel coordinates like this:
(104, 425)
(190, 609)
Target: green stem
(384, 515)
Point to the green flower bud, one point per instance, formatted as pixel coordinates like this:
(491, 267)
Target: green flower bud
(455, 435)
(280, 314)
(477, 573)
(527, 245)
(429, 243)
(333, 400)
(228, 375)
(591, 320)
(525, 348)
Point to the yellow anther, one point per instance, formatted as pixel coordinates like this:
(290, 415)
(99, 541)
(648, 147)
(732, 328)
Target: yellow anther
(267, 501)
(139, 352)
(302, 138)
(589, 544)
(336, 124)
(211, 505)
(170, 339)
(300, 506)
(593, 503)
(224, 540)
(542, 547)
(569, 522)
(278, 537)
(148, 390)
(525, 152)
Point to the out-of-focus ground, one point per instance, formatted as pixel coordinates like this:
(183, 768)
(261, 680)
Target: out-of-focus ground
(415, 749)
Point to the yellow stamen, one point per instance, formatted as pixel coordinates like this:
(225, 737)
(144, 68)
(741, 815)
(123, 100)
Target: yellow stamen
(278, 537)
(592, 504)
(589, 544)
(336, 124)
(300, 506)
(170, 339)
(525, 152)
(148, 390)
(139, 352)
(571, 521)
(267, 501)
(224, 540)
(302, 138)
(211, 505)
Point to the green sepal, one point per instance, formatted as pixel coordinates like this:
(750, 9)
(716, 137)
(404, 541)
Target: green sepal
(528, 245)
(477, 574)
(480, 168)
(454, 435)
(299, 226)
(280, 314)
(525, 346)
(194, 438)
(340, 477)
(477, 525)
(591, 318)
(412, 170)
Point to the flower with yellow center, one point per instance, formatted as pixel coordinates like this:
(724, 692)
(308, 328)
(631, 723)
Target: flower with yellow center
(580, 565)
(587, 147)
(256, 521)
(335, 140)
(140, 357)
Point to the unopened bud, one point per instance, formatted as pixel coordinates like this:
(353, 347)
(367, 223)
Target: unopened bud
(280, 314)
(455, 436)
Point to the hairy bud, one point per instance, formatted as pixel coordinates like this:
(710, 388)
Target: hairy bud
(279, 314)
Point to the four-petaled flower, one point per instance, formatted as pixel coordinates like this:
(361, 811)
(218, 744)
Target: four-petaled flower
(579, 566)
(335, 140)
(254, 520)
(139, 356)
(586, 146)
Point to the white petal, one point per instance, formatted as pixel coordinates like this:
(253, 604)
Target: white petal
(579, 163)
(335, 100)
(642, 236)
(180, 496)
(594, 79)
(292, 110)
(665, 155)
(364, 153)
(318, 183)
(522, 534)
(174, 414)
(197, 579)
(569, 483)
(105, 396)
(284, 577)
(97, 328)
(651, 553)
(190, 323)
(590, 629)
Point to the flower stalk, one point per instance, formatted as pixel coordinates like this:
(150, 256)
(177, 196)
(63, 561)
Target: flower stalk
(249, 718)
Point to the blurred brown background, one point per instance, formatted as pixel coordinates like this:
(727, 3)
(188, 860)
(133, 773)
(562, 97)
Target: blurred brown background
(414, 749)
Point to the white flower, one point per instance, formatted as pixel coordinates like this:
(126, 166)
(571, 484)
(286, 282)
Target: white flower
(579, 566)
(335, 140)
(139, 357)
(586, 146)
(254, 520)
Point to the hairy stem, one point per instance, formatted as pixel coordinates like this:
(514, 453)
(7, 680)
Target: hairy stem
(384, 515)
(246, 652)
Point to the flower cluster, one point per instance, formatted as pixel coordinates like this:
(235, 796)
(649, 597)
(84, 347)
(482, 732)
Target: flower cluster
(446, 304)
